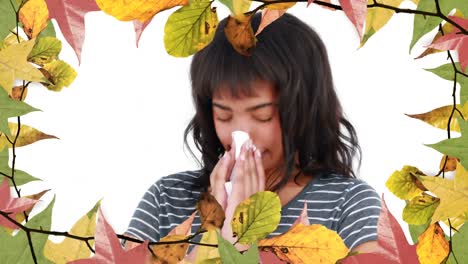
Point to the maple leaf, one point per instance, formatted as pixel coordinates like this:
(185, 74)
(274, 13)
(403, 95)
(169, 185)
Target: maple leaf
(268, 17)
(393, 247)
(13, 65)
(12, 205)
(108, 248)
(356, 11)
(455, 40)
(70, 18)
(376, 18)
(229, 253)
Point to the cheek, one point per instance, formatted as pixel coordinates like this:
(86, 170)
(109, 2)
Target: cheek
(224, 133)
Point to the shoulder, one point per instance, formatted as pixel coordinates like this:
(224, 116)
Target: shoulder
(345, 186)
(179, 183)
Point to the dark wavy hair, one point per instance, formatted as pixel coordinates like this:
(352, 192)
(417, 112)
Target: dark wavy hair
(291, 55)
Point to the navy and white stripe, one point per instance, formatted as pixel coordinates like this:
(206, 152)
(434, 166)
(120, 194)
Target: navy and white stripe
(351, 207)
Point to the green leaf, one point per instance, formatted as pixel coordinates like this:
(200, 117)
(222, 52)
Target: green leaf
(11, 108)
(256, 217)
(446, 72)
(229, 253)
(61, 75)
(459, 242)
(45, 50)
(8, 17)
(417, 230)
(15, 249)
(49, 31)
(190, 28)
(420, 209)
(21, 177)
(425, 24)
(455, 146)
(237, 6)
(403, 183)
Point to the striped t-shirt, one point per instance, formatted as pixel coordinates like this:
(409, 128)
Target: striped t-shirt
(351, 207)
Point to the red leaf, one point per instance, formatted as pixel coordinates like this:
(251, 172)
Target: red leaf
(109, 250)
(309, 2)
(139, 28)
(12, 205)
(356, 11)
(455, 41)
(183, 228)
(268, 16)
(393, 246)
(70, 18)
(267, 257)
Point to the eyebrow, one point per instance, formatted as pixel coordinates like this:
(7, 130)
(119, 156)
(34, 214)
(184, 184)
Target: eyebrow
(248, 109)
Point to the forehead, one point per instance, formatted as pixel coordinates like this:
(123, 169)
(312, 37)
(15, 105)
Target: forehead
(262, 90)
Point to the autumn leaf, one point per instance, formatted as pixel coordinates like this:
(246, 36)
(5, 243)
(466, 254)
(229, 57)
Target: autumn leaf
(69, 15)
(12, 205)
(459, 242)
(70, 249)
(439, 117)
(306, 244)
(13, 65)
(27, 135)
(207, 254)
(256, 217)
(237, 7)
(34, 15)
(455, 41)
(170, 253)
(8, 17)
(190, 28)
(450, 165)
(140, 9)
(19, 93)
(447, 72)
(139, 28)
(10, 108)
(229, 253)
(420, 209)
(356, 11)
(455, 146)
(45, 50)
(377, 17)
(11, 244)
(392, 245)
(404, 183)
(453, 194)
(280, 6)
(432, 248)
(211, 213)
(61, 75)
(417, 230)
(268, 17)
(21, 177)
(240, 34)
(49, 31)
(108, 248)
(183, 228)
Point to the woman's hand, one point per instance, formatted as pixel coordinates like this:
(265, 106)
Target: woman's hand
(220, 175)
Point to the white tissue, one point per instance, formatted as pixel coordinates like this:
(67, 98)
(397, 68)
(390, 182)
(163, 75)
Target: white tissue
(239, 138)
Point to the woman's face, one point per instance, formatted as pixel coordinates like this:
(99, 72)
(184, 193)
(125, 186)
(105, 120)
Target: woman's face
(256, 115)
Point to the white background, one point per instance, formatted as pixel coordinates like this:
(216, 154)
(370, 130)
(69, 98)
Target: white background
(121, 122)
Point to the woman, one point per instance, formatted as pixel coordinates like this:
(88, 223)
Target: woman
(283, 97)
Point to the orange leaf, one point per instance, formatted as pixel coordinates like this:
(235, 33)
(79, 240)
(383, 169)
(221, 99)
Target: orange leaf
(240, 34)
(432, 247)
(211, 213)
(34, 15)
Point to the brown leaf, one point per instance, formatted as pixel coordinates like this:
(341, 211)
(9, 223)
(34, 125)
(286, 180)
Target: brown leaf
(170, 253)
(211, 213)
(16, 93)
(268, 16)
(240, 34)
(451, 164)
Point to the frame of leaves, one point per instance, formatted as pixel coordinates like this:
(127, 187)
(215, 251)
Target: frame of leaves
(36, 61)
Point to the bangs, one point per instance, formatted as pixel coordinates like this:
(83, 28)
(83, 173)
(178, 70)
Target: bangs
(218, 68)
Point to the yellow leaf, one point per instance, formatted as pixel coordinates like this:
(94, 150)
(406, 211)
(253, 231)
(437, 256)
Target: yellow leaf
(256, 217)
(457, 222)
(404, 184)
(138, 9)
(34, 15)
(170, 253)
(13, 65)
(420, 209)
(27, 135)
(240, 34)
(439, 117)
(280, 6)
(453, 195)
(10, 39)
(432, 247)
(211, 213)
(461, 178)
(307, 244)
(60, 75)
(377, 17)
(207, 253)
(71, 249)
(450, 165)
